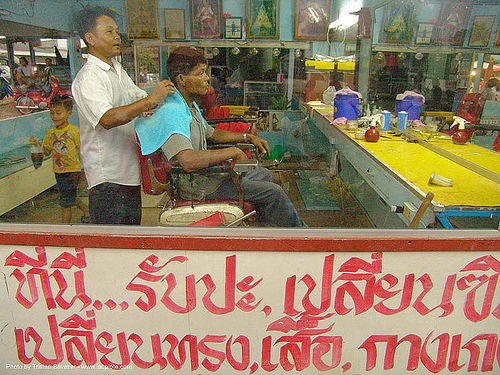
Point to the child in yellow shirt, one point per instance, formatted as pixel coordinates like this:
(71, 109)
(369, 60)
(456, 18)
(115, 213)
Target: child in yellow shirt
(63, 142)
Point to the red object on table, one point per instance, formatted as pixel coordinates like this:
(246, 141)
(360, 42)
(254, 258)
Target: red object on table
(460, 137)
(214, 220)
(372, 134)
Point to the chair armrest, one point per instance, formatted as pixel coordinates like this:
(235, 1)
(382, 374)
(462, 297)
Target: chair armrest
(215, 121)
(245, 165)
(240, 145)
(224, 167)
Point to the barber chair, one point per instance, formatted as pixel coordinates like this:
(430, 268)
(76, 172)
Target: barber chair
(469, 108)
(160, 176)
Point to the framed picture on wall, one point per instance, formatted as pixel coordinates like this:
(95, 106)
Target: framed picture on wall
(174, 24)
(397, 22)
(142, 19)
(452, 23)
(311, 19)
(424, 33)
(233, 27)
(206, 19)
(481, 31)
(262, 19)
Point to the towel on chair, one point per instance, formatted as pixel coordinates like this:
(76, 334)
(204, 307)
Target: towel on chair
(171, 117)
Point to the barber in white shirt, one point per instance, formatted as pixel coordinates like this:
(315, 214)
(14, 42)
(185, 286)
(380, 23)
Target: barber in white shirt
(108, 102)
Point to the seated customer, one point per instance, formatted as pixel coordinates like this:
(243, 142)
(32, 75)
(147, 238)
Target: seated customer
(186, 67)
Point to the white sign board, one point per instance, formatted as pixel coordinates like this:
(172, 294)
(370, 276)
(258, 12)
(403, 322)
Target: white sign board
(71, 310)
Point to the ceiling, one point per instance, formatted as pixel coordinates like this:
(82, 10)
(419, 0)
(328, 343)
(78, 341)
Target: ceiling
(21, 31)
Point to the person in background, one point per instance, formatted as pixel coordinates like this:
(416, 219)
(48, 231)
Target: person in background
(108, 101)
(24, 73)
(489, 91)
(186, 67)
(48, 66)
(48, 73)
(63, 142)
(42, 81)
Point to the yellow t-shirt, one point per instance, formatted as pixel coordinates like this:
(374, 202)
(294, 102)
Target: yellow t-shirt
(65, 146)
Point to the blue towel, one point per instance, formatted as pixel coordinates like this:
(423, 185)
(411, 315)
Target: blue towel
(172, 117)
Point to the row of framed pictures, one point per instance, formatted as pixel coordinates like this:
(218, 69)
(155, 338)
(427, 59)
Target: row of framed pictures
(174, 27)
(448, 29)
(261, 22)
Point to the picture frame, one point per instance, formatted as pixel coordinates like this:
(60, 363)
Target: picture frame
(481, 31)
(262, 19)
(233, 27)
(205, 19)
(452, 24)
(275, 120)
(142, 19)
(174, 24)
(311, 19)
(424, 33)
(397, 22)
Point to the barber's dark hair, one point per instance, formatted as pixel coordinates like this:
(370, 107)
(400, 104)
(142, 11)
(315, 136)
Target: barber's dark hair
(86, 19)
(65, 100)
(183, 60)
(22, 58)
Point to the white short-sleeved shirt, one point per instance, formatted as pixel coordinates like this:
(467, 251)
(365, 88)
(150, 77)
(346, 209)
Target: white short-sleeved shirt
(108, 155)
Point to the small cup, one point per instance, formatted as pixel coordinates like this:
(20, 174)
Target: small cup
(36, 151)
(403, 120)
(352, 124)
(387, 120)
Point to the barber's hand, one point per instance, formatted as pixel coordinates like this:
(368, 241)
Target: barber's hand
(161, 90)
(260, 143)
(238, 155)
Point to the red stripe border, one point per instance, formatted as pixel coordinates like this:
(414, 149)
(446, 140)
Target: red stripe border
(196, 241)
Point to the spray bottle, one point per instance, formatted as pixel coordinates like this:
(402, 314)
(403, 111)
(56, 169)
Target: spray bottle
(372, 134)
(460, 137)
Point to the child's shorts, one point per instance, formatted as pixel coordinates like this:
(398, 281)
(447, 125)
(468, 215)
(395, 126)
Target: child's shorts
(67, 184)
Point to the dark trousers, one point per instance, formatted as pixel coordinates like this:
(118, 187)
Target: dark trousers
(273, 206)
(115, 204)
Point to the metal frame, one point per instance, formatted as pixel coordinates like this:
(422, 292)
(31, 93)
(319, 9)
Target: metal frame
(443, 217)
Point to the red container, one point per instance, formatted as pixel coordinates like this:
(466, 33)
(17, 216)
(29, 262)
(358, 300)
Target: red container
(372, 134)
(460, 137)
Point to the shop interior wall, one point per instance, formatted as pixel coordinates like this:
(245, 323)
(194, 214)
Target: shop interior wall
(57, 14)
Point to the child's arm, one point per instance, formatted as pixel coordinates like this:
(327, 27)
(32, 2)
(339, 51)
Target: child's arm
(47, 146)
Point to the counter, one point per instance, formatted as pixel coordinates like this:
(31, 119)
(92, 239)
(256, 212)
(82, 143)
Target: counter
(398, 171)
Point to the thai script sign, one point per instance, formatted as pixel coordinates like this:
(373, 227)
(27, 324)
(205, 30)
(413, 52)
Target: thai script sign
(211, 312)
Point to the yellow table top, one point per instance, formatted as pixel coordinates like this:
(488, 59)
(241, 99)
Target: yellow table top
(416, 163)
